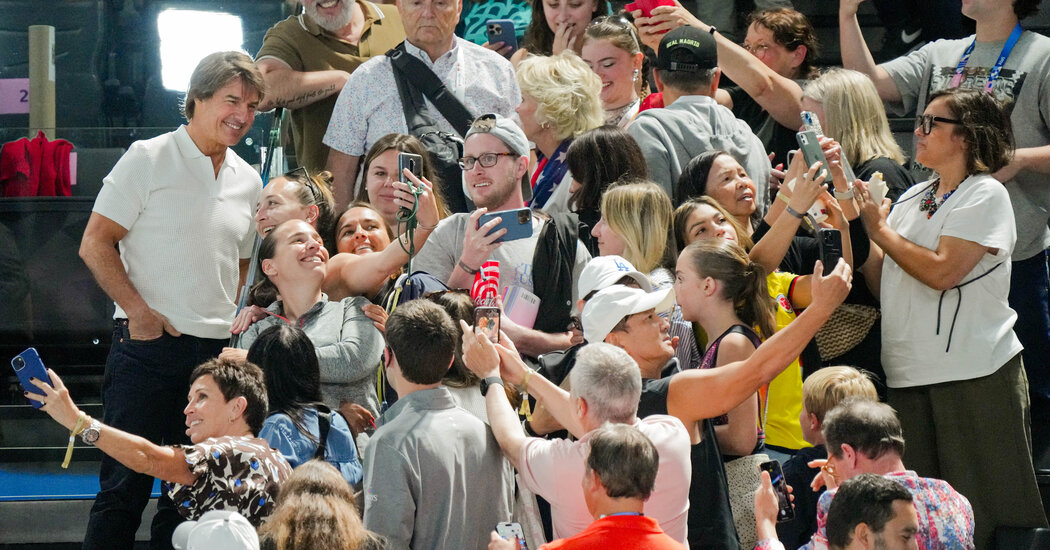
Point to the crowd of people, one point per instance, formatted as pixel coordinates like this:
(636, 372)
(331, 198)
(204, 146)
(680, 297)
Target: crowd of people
(673, 315)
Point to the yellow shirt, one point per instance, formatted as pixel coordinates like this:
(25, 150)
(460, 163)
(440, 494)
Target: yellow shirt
(785, 391)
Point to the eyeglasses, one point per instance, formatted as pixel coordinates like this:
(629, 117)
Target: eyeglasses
(757, 49)
(829, 469)
(926, 123)
(487, 160)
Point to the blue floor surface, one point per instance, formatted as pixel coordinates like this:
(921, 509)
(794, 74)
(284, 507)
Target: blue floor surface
(51, 482)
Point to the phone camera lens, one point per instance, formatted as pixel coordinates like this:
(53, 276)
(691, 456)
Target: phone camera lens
(524, 216)
(19, 363)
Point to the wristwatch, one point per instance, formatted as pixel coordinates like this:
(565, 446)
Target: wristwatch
(486, 383)
(90, 435)
(844, 195)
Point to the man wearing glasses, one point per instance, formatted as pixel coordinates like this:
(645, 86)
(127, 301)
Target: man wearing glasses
(495, 159)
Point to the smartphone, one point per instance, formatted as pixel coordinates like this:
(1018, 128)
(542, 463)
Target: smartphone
(486, 321)
(518, 223)
(785, 511)
(414, 163)
(502, 30)
(811, 122)
(28, 365)
(829, 241)
(510, 531)
(647, 6)
(809, 144)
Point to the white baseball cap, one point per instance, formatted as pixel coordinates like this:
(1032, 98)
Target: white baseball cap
(216, 530)
(605, 271)
(609, 306)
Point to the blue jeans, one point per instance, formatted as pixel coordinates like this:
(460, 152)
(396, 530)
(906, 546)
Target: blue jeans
(1030, 298)
(144, 393)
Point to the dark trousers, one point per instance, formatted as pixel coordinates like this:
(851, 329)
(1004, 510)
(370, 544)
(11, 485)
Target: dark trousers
(975, 435)
(1030, 298)
(144, 393)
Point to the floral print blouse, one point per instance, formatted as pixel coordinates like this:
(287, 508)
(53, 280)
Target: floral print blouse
(233, 473)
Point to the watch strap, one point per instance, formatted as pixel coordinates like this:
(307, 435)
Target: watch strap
(486, 383)
(845, 195)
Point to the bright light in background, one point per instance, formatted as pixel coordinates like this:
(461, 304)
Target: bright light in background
(187, 36)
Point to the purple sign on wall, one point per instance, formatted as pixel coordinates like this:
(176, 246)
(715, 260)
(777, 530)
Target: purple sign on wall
(14, 96)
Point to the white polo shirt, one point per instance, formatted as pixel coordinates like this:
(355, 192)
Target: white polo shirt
(186, 229)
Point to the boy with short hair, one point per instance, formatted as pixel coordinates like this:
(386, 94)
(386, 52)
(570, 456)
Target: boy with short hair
(821, 392)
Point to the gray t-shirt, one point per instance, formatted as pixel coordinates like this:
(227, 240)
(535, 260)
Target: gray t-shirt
(445, 246)
(1023, 80)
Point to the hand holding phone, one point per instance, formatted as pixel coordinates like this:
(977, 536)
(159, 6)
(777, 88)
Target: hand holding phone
(647, 6)
(414, 164)
(28, 365)
(512, 531)
(518, 223)
(785, 510)
(502, 30)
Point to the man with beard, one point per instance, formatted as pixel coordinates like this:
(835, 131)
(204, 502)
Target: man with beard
(306, 59)
(495, 157)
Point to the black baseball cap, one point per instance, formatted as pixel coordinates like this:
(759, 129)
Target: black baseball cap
(687, 49)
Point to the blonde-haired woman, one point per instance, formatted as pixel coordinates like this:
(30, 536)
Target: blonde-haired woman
(851, 113)
(635, 222)
(560, 99)
(315, 510)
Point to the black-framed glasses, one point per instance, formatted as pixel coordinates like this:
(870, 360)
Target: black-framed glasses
(926, 122)
(487, 160)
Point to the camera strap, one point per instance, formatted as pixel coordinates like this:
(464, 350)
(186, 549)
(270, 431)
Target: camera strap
(414, 80)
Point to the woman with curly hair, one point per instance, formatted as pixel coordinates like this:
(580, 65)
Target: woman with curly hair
(560, 99)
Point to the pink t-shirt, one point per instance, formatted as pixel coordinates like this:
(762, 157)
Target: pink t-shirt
(554, 470)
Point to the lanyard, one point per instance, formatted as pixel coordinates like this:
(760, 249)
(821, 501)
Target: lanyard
(994, 75)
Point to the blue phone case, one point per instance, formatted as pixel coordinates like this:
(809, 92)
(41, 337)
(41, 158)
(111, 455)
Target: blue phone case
(28, 365)
(502, 30)
(518, 223)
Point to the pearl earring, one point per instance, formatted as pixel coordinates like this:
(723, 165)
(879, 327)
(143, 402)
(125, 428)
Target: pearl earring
(635, 77)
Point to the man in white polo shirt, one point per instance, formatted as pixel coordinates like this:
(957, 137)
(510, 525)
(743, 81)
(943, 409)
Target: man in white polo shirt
(180, 206)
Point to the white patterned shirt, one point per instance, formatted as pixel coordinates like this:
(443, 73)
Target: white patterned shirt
(369, 107)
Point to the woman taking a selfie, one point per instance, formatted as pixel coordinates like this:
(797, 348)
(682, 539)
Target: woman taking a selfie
(225, 468)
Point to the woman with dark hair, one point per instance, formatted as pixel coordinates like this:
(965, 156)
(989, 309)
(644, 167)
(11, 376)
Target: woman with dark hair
(379, 173)
(596, 159)
(558, 25)
(718, 175)
(300, 195)
(315, 511)
(227, 467)
(297, 418)
(347, 346)
(952, 360)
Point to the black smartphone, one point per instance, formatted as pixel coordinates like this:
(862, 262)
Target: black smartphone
(785, 510)
(518, 223)
(829, 241)
(502, 30)
(486, 321)
(512, 531)
(414, 163)
(28, 365)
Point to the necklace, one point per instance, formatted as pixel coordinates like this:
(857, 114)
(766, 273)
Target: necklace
(930, 204)
(615, 116)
